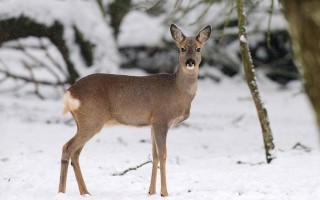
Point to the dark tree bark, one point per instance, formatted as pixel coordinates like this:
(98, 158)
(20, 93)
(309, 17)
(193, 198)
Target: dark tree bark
(252, 83)
(117, 11)
(14, 28)
(303, 17)
(86, 47)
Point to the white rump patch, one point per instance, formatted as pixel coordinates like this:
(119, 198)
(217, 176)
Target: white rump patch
(70, 103)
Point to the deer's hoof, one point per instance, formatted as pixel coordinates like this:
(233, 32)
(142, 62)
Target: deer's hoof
(86, 193)
(164, 194)
(152, 192)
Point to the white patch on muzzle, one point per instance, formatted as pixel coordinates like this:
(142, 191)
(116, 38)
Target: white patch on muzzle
(190, 67)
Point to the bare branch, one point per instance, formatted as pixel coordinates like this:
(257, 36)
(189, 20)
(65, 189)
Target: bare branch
(54, 62)
(36, 85)
(249, 163)
(28, 80)
(38, 61)
(298, 145)
(269, 24)
(131, 169)
(226, 22)
(203, 14)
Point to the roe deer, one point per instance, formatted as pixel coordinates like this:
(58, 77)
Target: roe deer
(160, 101)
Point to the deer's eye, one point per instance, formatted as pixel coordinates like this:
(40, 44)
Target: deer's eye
(198, 49)
(183, 49)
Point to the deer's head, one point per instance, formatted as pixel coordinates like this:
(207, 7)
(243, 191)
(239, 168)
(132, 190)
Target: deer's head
(190, 48)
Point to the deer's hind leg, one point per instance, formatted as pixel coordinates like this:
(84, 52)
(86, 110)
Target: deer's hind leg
(77, 171)
(68, 149)
(73, 146)
(86, 129)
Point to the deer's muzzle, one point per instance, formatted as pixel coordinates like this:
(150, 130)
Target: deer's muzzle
(190, 63)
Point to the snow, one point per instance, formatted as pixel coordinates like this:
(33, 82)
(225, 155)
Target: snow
(212, 155)
(243, 39)
(148, 32)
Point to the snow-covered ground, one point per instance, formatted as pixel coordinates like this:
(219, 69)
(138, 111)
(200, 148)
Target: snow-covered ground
(212, 155)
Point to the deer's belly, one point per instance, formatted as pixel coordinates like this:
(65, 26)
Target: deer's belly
(133, 119)
(114, 122)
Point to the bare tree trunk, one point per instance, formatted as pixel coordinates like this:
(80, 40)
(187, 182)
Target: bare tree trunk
(304, 25)
(252, 83)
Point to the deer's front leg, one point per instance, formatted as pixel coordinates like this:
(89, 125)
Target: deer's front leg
(155, 160)
(160, 136)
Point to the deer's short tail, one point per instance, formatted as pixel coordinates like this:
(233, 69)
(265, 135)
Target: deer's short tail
(70, 103)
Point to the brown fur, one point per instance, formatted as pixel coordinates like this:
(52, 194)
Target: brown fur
(159, 101)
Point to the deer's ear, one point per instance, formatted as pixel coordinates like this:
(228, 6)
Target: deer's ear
(204, 34)
(176, 33)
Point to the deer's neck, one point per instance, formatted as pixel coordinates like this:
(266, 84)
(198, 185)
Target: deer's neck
(186, 81)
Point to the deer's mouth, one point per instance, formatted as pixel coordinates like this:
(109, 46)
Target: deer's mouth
(190, 66)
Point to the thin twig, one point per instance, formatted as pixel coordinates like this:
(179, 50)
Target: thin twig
(269, 24)
(131, 169)
(28, 80)
(298, 145)
(54, 62)
(184, 10)
(15, 88)
(32, 77)
(238, 119)
(200, 17)
(37, 61)
(226, 22)
(177, 4)
(249, 163)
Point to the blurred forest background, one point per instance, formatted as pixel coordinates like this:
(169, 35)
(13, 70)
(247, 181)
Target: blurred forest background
(47, 45)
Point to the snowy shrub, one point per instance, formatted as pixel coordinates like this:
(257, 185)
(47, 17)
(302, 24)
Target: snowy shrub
(53, 42)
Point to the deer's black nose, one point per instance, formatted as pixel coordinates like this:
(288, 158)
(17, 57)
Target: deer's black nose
(190, 62)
